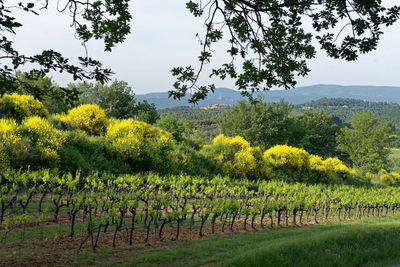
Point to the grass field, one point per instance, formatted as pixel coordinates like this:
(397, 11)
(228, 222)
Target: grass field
(394, 159)
(395, 153)
(370, 242)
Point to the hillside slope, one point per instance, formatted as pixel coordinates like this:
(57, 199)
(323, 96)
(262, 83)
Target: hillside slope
(298, 95)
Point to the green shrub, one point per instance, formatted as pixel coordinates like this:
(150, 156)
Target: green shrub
(92, 153)
(187, 160)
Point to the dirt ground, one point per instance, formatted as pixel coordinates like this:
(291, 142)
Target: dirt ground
(63, 250)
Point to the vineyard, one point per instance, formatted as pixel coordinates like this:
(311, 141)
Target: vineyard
(93, 174)
(122, 207)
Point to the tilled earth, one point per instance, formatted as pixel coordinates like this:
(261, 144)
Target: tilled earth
(63, 251)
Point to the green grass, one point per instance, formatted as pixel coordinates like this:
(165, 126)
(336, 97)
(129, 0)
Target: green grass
(395, 153)
(394, 160)
(370, 242)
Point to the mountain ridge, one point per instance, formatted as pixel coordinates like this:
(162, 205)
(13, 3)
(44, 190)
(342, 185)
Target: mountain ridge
(299, 95)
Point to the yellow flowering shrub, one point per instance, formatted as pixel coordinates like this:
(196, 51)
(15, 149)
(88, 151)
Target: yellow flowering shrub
(8, 137)
(388, 178)
(396, 176)
(287, 157)
(19, 107)
(337, 166)
(323, 169)
(385, 178)
(45, 137)
(249, 163)
(90, 119)
(141, 138)
(369, 175)
(319, 169)
(237, 158)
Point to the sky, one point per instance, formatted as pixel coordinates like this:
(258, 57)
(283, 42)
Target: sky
(163, 36)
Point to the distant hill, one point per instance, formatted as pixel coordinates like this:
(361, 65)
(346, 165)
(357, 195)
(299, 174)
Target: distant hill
(298, 95)
(220, 96)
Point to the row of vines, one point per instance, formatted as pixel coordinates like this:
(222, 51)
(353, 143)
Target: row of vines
(123, 205)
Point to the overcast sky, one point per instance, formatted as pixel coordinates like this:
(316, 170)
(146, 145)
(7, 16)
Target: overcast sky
(163, 36)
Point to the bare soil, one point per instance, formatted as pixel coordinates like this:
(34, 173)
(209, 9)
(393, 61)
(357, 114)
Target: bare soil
(63, 250)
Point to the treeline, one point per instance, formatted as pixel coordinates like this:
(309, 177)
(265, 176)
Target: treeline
(342, 110)
(345, 108)
(205, 123)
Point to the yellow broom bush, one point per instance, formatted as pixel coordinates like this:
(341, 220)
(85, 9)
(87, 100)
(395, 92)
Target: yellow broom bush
(9, 136)
(287, 157)
(319, 169)
(90, 119)
(141, 138)
(337, 166)
(19, 107)
(237, 158)
(45, 137)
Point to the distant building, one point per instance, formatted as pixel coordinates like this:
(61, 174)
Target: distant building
(216, 106)
(307, 108)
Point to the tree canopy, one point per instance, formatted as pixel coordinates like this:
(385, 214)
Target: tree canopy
(177, 128)
(367, 142)
(117, 99)
(263, 124)
(270, 40)
(269, 124)
(317, 132)
(100, 20)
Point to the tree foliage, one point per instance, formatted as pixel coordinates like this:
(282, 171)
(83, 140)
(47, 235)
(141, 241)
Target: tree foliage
(271, 41)
(99, 20)
(267, 37)
(144, 111)
(117, 99)
(262, 124)
(367, 142)
(317, 133)
(343, 109)
(268, 124)
(55, 98)
(177, 128)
